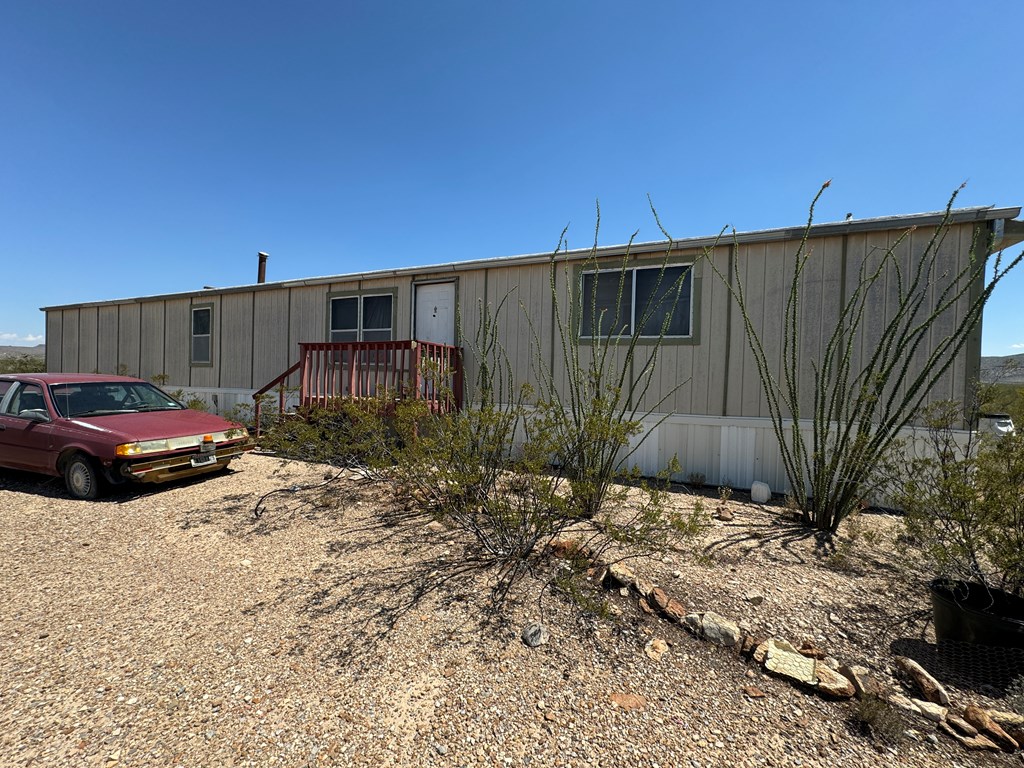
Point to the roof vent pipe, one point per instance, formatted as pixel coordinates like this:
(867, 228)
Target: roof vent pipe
(261, 275)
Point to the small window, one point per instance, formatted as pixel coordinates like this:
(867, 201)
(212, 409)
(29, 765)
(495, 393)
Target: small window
(616, 302)
(361, 318)
(202, 337)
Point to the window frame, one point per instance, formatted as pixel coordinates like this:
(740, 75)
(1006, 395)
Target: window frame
(640, 265)
(192, 335)
(360, 326)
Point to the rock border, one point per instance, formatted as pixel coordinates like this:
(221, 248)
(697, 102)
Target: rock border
(810, 668)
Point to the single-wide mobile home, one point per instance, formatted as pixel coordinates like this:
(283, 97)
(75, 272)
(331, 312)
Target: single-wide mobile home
(224, 344)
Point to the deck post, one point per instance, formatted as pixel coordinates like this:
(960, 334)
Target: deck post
(415, 372)
(303, 376)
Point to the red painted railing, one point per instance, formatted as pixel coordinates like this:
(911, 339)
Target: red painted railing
(329, 372)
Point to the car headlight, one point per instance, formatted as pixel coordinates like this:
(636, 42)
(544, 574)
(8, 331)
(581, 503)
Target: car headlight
(146, 446)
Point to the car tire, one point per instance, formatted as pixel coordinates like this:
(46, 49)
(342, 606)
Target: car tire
(81, 477)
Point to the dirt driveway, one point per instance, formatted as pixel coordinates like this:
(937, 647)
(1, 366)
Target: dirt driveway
(170, 628)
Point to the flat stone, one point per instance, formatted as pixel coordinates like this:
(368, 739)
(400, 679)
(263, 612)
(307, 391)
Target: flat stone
(975, 743)
(754, 598)
(789, 664)
(900, 701)
(645, 606)
(930, 711)
(930, 688)
(753, 692)
(962, 725)
(831, 683)
(719, 630)
(1011, 719)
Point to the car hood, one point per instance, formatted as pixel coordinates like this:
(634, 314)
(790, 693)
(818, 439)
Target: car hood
(134, 427)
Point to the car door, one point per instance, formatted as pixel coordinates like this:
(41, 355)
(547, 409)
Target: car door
(24, 442)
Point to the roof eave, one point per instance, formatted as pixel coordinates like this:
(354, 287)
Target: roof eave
(827, 229)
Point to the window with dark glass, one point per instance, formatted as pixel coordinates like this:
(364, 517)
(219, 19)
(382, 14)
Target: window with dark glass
(345, 319)
(615, 302)
(202, 337)
(361, 318)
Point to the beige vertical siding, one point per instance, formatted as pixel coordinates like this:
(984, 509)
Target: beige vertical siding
(272, 352)
(152, 342)
(472, 295)
(177, 341)
(69, 341)
(54, 344)
(711, 355)
(236, 340)
(128, 338)
(88, 348)
(107, 339)
(307, 317)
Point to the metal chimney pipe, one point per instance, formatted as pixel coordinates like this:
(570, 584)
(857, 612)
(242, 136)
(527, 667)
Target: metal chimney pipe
(261, 275)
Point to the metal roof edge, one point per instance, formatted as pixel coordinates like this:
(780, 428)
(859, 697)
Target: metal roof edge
(825, 229)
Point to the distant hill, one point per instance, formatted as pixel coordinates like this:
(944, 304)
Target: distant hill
(39, 350)
(1008, 369)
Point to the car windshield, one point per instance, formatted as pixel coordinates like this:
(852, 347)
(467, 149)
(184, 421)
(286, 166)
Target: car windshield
(104, 398)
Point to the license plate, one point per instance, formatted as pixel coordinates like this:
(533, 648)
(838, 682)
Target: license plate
(202, 461)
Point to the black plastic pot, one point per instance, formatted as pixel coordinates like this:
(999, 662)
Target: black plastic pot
(973, 613)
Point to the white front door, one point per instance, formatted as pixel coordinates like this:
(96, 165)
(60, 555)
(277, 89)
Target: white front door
(435, 313)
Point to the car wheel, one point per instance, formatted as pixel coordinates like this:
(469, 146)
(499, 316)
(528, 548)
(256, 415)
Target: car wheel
(81, 478)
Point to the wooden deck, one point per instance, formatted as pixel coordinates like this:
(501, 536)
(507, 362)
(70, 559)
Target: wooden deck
(331, 372)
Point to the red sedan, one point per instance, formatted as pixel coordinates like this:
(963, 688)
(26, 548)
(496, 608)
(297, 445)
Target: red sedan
(87, 428)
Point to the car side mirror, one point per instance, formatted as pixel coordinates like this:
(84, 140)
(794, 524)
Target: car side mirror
(34, 415)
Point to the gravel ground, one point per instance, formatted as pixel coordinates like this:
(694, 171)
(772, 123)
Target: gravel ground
(171, 628)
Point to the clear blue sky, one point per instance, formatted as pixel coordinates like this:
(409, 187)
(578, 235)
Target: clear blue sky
(151, 147)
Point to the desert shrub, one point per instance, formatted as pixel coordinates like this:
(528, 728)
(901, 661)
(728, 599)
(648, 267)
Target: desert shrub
(961, 493)
(878, 719)
(366, 432)
(22, 364)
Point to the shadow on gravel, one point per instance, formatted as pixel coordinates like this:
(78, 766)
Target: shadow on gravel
(783, 540)
(423, 572)
(53, 487)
